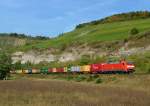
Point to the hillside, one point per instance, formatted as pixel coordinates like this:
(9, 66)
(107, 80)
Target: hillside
(92, 34)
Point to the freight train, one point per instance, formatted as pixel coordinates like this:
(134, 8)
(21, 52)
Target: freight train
(120, 67)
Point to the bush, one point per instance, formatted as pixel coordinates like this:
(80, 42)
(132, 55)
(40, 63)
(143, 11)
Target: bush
(134, 31)
(80, 78)
(98, 81)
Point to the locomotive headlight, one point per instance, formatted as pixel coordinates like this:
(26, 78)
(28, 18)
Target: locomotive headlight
(131, 66)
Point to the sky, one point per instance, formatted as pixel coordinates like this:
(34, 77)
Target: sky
(53, 17)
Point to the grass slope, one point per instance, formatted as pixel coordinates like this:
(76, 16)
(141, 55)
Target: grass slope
(91, 34)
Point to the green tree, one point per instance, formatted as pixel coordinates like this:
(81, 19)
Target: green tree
(17, 65)
(5, 65)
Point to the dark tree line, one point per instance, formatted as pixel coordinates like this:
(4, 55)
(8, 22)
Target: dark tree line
(23, 36)
(119, 17)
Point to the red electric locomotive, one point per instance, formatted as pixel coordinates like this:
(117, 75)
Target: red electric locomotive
(122, 66)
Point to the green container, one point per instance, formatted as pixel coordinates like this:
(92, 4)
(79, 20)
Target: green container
(44, 70)
(69, 69)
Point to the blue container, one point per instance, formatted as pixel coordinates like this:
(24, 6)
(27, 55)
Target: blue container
(75, 69)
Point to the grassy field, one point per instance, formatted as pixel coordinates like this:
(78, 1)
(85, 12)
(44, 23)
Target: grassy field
(125, 90)
(92, 33)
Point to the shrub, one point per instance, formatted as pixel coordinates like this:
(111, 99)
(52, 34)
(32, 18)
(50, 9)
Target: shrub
(134, 31)
(98, 81)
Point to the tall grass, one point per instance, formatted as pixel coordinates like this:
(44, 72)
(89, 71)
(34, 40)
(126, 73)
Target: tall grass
(60, 93)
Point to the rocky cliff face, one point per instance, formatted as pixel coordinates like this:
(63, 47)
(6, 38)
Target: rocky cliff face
(75, 54)
(36, 58)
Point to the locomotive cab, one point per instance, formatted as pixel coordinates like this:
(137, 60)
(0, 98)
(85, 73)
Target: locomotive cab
(129, 67)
